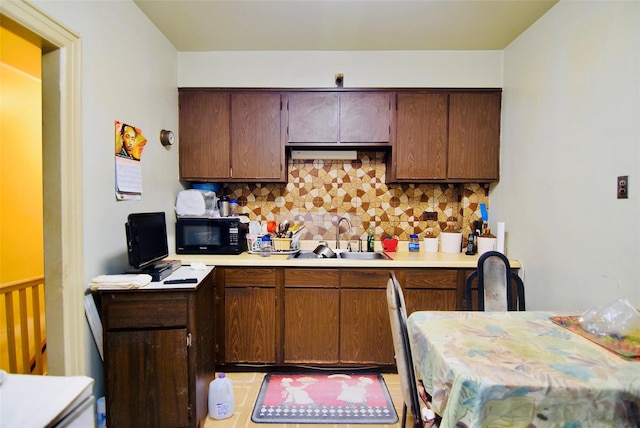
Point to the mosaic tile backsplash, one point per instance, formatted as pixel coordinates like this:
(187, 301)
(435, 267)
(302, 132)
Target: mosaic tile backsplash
(318, 193)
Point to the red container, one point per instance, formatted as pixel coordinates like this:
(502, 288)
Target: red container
(389, 244)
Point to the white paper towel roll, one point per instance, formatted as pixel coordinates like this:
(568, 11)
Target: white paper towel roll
(500, 237)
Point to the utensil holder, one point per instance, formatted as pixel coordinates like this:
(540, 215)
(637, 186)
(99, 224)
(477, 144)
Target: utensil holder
(281, 244)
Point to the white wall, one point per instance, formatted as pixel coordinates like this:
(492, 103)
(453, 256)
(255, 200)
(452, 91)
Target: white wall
(129, 73)
(570, 126)
(364, 69)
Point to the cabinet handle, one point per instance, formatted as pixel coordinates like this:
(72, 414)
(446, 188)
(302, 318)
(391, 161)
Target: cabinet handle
(189, 340)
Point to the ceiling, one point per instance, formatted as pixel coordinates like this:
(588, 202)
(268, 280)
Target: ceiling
(342, 25)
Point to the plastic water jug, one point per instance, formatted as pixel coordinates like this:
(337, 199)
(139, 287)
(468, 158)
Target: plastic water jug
(221, 401)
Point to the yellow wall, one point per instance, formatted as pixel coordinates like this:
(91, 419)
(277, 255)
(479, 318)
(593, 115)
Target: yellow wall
(21, 223)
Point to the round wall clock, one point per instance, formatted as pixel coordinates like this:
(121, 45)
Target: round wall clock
(166, 137)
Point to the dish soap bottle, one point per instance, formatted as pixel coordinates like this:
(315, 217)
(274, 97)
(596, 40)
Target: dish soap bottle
(370, 240)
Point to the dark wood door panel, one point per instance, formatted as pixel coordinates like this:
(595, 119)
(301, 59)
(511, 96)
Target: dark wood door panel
(421, 136)
(134, 311)
(430, 300)
(365, 332)
(253, 277)
(311, 325)
(256, 136)
(250, 325)
(324, 278)
(313, 117)
(204, 134)
(154, 363)
(429, 278)
(364, 278)
(474, 135)
(365, 117)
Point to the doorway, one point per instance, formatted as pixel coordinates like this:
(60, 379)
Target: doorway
(62, 187)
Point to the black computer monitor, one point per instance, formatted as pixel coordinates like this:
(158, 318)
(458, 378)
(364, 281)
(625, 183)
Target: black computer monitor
(146, 239)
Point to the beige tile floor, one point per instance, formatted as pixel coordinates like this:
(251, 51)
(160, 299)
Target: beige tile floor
(247, 385)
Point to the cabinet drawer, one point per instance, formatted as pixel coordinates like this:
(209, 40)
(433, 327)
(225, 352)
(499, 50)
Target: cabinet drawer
(145, 312)
(364, 278)
(427, 278)
(250, 277)
(323, 278)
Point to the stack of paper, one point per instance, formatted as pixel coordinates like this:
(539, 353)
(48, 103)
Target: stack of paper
(105, 282)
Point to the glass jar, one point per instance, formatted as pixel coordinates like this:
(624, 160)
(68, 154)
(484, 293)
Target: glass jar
(233, 207)
(265, 246)
(414, 243)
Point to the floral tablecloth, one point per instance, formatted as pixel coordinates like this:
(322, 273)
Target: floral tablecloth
(519, 369)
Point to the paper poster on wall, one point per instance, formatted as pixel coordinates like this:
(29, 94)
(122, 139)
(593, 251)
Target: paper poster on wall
(129, 143)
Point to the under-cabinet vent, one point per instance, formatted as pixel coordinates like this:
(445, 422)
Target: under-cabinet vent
(324, 154)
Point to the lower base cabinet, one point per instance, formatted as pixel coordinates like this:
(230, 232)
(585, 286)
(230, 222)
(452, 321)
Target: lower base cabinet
(159, 355)
(321, 316)
(311, 329)
(365, 332)
(311, 316)
(249, 313)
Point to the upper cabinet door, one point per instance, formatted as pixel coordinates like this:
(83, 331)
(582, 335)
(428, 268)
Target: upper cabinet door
(204, 135)
(339, 117)
(420, 149)
(474, 136)
(313, 117)
(365, 117)
(257, 152)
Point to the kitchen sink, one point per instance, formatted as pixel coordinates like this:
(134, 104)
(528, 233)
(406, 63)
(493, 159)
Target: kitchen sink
(304, 255)
(377, 255)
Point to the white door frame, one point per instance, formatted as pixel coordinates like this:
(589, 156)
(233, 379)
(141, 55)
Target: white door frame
(62, 188)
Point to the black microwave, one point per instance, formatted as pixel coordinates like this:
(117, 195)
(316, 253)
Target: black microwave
(222, 235)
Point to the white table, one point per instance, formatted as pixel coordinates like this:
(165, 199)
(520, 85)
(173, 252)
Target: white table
(488, 369)
(32, 401)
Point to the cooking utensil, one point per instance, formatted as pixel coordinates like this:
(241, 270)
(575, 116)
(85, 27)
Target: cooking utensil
(295, 226)
(325, 252)
(283, 228)
(271, 226)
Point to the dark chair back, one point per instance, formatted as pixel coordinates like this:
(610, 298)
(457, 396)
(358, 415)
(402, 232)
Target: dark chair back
(402, 348)
(496, 284)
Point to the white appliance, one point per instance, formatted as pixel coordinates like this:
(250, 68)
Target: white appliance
(197, 203)
(46, 401)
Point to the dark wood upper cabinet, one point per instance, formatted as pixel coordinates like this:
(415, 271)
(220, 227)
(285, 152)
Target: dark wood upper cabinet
(231, 136)
(204, 135)
(446, 136)
(420, 149)
(313, 117)
(365, 117)
(257, 152)
(430, 135)
(474, 136)
(327, 118)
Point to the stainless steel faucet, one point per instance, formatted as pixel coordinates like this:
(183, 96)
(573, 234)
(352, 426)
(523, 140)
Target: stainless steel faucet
(338, 230)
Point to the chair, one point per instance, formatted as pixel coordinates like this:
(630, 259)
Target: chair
(495, 285)
(404, 360)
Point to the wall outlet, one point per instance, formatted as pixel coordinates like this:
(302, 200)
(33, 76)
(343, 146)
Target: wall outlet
(429, 216)
(623, 187)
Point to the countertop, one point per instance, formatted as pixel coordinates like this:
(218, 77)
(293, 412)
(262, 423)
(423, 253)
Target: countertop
(402, 258)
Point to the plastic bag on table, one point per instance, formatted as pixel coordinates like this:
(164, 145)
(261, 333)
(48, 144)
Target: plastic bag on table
(620, 318)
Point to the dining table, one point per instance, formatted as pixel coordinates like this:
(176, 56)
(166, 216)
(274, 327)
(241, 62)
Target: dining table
(520, 369)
